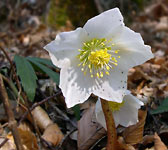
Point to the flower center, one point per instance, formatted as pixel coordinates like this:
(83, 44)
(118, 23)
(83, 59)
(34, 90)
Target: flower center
(114, 106)
(97, 57)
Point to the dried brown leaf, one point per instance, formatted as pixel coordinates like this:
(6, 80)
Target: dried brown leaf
(53, 134)
(41, 117)
(158, 144)
(159, 60)
(9, 145)
(147, 139)
(89, 131)
(123, 145)
(28, 139)
(134, 134)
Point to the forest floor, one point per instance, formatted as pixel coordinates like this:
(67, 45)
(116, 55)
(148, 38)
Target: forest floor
(24, 33)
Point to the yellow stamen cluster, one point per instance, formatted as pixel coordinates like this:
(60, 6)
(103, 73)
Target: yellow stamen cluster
(114, 106)
(97, 57)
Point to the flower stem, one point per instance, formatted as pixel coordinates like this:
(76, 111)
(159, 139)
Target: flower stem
(112, 143)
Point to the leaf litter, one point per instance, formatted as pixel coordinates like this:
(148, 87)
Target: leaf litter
(149, 82)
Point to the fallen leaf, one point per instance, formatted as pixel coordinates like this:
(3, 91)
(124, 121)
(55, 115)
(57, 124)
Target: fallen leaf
(27, 137)
(41, 117)
(162, 25)
(9, 145)
(147, 139)
(123, 145)
(53, 134)
(158, 144)
(89, 131)
(134, 134)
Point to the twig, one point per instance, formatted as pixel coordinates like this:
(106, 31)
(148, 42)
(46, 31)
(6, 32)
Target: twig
(145, 75)
(12, 86)
(65, 137)
(13, 70)
(66, 118)
(3, 142)
(37, 104)
(46, 144)
(98, 5)
(7, 56)
(9, 112)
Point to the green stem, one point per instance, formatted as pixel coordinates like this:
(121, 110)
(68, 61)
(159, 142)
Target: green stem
(112, 143)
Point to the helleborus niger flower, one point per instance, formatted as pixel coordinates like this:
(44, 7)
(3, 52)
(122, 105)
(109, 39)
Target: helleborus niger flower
(125, 113)
(96, 58)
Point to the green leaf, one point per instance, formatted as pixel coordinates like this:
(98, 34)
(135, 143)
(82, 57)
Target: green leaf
(42, 61)
(162, 108)
(53, 75)
(76, 110)
(27, 75)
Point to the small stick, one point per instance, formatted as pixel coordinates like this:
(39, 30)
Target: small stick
(12, 122)
(13, 70)
(3, 142)
(7, 56)
(61, 113)
(112, 143)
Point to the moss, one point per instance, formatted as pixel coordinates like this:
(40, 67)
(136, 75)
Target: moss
(77, 11)
(57, 15)
(80, 11)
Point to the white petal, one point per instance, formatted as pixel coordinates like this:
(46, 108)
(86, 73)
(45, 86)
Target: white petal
(75, 87)
(108, 21)
(66, 46)
(133, 51)
(113, 87)
(128, 114)
(99, 114)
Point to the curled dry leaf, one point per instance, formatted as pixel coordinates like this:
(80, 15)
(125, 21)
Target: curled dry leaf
(134, 134)
(158, 144)
(53, 134)
(123, 145)
(89, 131)
(41, 117)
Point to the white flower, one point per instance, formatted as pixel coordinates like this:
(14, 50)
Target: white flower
(125, 113)
(96, 58)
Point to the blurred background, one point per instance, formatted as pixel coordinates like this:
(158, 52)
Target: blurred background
(26, 26)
